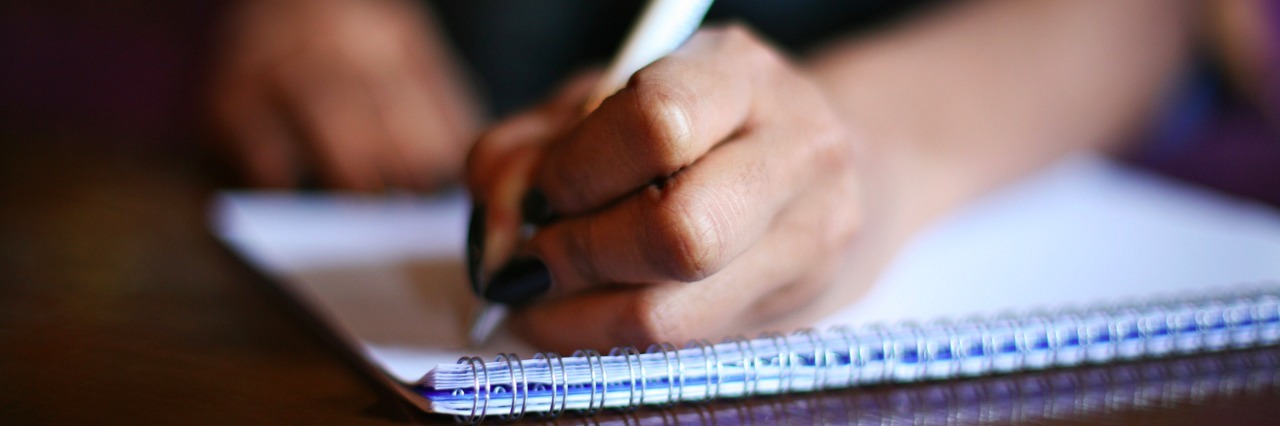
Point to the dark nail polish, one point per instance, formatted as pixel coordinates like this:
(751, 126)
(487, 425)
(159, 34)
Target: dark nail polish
(519, 282)
(535, 208)
(475, 246)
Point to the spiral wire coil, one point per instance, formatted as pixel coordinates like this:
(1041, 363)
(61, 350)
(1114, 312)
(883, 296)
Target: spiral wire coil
(875, 354)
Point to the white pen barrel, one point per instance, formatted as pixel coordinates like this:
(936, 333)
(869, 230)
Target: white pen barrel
(663, 26)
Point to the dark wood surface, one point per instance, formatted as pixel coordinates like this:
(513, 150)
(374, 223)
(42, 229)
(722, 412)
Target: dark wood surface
(118, 306)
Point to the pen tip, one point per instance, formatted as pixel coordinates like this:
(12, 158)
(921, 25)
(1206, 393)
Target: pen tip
(486, 321)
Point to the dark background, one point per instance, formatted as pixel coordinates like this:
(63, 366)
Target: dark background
(133, 70)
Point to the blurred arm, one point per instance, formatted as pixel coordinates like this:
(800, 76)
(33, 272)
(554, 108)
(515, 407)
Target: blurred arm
(980, 92)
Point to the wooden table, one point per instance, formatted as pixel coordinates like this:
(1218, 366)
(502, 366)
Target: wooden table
(118, 306)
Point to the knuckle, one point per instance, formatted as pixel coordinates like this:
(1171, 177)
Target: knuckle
(662, 111)
(739, 36)
(787, 299)
(844, 231)
(688, 234)
(741, 39)
(647, 320)
(838, 231)
(830, 144)
(737, 32)
(568, 188)
(838, 221)
(846, 227)
(586, 257)
(835, 168)
(827, 141)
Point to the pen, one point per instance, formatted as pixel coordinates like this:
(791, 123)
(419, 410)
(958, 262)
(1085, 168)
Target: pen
(662, 27)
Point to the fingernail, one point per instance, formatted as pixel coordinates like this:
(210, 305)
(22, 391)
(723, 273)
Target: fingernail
(535, 208)
(475, 246)
(520, 281)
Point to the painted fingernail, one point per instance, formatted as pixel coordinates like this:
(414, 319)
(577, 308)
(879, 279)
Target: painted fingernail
(475, 246)
(519, 282)
(535, 208)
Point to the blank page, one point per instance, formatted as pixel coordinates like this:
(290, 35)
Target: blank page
(387, 272)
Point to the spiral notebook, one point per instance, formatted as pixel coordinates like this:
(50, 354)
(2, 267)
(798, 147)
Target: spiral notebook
(810, 360)
(386, 275)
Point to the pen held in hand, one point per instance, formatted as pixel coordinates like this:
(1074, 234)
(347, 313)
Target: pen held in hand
(662, 27)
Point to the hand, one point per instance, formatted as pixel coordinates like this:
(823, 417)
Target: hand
(361, 95)
(713, 194)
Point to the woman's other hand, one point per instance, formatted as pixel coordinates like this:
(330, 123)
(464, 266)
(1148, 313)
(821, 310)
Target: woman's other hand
(359, 95)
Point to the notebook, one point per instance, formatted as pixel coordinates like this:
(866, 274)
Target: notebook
(385, 273)
(812, 360)
(1162, 391)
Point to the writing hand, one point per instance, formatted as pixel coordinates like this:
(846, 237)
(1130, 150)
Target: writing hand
(713, 193)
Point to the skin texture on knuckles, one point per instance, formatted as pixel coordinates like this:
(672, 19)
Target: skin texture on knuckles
(665, 198)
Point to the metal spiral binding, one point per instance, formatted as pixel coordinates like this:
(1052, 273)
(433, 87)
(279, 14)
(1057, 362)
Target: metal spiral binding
(749, 365)
(1037, 326)
(1180, 326)
(1214, 315)
(876, 353)
(711, 360)
(1255, 333)
(477, 411)
(947, 330)
(1125, 327)
(886, 351)
(1154, 323)
(1069, 315)
(1012, 324)
(628, 353)
(912, 340)
(854, 352)
(819, 363)
(593, 359)
(783, 350)
(674, 371)
(1256, 312)
(513, 361)
(547, 357)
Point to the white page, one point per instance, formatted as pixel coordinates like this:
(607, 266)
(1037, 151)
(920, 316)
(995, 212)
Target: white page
(387, 272)
(1084, 232)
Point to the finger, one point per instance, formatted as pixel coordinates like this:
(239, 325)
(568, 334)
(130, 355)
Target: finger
(687, 229)
(501, 204)
(412, 136)
(336, 112)
(256, 135)
(669, 115)
(501, 163)
(761, 290)
(429, 117)
(449, 89)
(488, 162)
(535, 126)
(421, 149)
